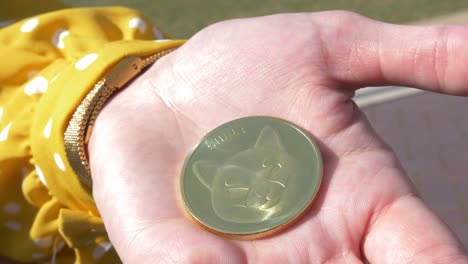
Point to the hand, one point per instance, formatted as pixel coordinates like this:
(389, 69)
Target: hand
(301, 67)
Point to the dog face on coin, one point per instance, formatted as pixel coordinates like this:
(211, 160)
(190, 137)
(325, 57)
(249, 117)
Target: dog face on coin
(254, 184)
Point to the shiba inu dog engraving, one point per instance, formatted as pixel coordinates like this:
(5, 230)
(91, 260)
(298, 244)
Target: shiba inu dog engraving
(252, 185)
(251, 176)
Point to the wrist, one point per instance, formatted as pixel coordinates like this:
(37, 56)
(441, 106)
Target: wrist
(118, 122)
(80, 127)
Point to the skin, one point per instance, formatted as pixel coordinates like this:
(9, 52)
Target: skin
(301, 67)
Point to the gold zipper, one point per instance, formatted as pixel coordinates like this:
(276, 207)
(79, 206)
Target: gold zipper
(81, 124)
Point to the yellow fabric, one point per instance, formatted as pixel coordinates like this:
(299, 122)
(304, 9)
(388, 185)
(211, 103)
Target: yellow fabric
(48, 64)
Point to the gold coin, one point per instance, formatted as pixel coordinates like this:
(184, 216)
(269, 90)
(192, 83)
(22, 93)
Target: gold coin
(250, 177)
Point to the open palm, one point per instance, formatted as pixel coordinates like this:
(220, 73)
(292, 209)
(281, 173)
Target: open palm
(300, 67)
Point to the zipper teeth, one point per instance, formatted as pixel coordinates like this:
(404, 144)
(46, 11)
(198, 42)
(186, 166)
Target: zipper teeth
(85, 116)
(153, 58)
(107, 91)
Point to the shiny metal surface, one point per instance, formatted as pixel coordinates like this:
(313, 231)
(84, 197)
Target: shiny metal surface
(251, 176)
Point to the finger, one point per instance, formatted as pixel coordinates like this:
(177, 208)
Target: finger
(408, 232)
(364, 52)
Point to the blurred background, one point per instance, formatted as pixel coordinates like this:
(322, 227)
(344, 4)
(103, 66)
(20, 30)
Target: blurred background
(428, 132)
(182, 18)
